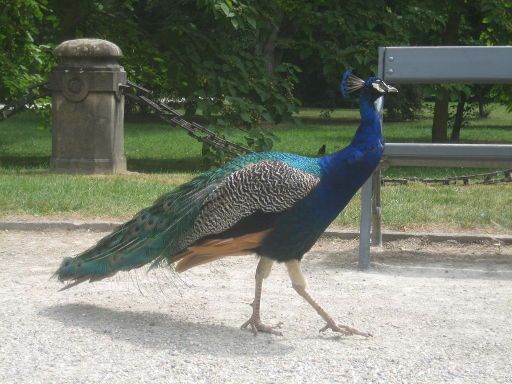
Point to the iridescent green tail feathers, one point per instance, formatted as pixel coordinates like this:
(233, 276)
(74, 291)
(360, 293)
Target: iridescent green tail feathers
(153, 235)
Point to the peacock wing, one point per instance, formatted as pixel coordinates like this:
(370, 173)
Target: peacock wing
(237, 216)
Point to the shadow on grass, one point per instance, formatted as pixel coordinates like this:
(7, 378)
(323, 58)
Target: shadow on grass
(189, 164)
(25, 161)
(403, 139)
(161, 331)
(331, 121)
(489, 126)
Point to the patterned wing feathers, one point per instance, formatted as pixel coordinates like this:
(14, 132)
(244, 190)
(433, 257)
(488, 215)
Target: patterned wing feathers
(266, 186)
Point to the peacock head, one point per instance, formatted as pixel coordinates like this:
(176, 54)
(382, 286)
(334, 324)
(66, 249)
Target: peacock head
(372, 88)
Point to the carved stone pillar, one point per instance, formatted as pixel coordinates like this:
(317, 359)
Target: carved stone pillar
(87, 108)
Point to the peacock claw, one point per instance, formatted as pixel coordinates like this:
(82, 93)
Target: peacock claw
(344, 329)
(258, 326)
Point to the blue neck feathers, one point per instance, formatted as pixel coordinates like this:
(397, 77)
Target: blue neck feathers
(370, 128)
(345, 171)
(368, 138)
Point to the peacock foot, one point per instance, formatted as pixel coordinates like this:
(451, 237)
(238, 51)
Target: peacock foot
(257, 326)
(345, 329)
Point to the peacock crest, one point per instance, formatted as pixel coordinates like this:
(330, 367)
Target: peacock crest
(350, 83)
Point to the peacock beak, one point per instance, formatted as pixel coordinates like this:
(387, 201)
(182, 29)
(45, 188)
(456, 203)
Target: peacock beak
(382, 87)
(389, 88)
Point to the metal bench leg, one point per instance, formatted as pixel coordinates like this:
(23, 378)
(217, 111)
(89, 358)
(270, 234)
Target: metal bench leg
(365, 225)
(376, 210)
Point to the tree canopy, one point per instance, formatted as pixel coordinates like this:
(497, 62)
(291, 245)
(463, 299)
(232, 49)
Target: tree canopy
(247, 62)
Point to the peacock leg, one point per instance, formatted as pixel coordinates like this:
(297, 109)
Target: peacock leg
(299, 284)
(262, 272)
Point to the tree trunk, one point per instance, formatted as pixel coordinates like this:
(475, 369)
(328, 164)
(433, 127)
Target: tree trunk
(481, 108)
(269, 50)
(440, 122)
(450, 36)
(482, 95)
(71, 15)
(459, 118)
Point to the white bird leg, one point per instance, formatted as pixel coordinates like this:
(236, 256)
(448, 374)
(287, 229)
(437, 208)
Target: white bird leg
(299, 284)
(262, 271)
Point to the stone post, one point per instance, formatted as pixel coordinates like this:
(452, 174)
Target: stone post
(87, 108)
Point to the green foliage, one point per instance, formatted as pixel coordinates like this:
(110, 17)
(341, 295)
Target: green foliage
(405, 105)
(245, 63)
(463, 22)
(202, 57)
(245, 97)
(23, 58)
(503, 94)
(325, 38)
(44, 111)
(239, 14)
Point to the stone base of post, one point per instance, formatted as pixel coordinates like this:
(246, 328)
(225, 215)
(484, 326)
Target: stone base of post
(87, 108)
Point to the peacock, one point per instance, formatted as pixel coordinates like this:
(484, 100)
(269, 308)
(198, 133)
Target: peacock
(275, 205)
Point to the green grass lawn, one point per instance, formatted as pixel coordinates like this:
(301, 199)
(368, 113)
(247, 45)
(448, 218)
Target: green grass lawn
(164, 157)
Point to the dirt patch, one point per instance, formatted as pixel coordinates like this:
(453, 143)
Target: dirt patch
(439, 312)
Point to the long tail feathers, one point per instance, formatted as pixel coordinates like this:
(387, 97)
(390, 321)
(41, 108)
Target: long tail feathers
(153, 233)
(160, 235)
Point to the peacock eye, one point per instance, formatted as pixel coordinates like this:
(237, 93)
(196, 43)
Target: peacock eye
(377, 87)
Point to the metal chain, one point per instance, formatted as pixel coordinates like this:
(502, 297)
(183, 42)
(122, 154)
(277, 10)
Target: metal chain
(35, 91)
(496, 177)
(171, 116)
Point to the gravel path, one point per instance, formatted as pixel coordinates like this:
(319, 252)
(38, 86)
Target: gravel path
(438, 313)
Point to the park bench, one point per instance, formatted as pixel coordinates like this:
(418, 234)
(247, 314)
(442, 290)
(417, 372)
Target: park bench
(432, 65)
